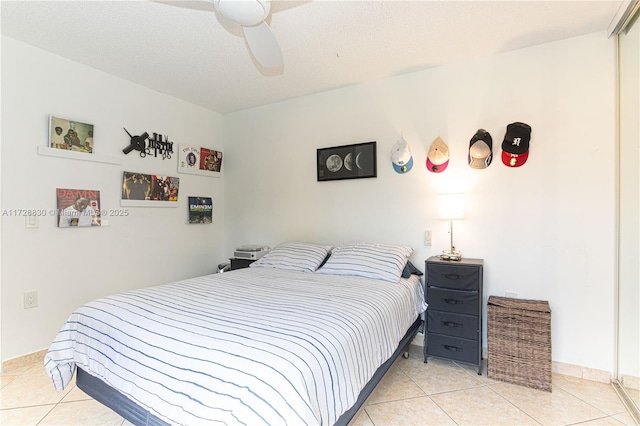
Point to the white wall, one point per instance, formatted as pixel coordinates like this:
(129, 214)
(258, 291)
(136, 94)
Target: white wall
(71, 266)
(545, 230)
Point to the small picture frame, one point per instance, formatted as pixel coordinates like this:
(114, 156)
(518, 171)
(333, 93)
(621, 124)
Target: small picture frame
(347, 162)
(200, 210)
(78, 207)
(70, 135)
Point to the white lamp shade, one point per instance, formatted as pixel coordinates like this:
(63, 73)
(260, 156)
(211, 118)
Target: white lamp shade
(451, 206)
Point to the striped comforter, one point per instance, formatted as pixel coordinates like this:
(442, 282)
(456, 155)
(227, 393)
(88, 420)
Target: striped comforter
(253, 346)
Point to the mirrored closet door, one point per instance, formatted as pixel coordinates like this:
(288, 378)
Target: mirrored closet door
(628, 362)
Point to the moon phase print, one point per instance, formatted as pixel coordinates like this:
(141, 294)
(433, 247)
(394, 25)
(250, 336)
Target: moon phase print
(347, 162)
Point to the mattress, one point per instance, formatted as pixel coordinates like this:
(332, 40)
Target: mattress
(255, 346)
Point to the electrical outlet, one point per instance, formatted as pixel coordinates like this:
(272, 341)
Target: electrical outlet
(30, 299)
(511, 294)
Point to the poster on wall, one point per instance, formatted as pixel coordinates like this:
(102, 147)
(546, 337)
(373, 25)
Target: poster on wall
(70, 135)
(347, 162)
(200, 210)
(140, 189)
(199, 161)
(78, 207)
(189, 157)
(210, 160)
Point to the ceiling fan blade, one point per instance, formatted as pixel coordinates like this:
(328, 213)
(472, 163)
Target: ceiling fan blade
(263, 45)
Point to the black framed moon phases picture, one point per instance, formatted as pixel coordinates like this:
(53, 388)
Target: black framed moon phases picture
(347, 162)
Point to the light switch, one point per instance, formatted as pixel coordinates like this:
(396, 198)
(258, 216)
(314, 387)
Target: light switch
(31, 221)
(427, 237)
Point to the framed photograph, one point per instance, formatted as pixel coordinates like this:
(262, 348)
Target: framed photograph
(70, 135)
(78, 207)
(347, 162)
(200, 210)
(143, 190)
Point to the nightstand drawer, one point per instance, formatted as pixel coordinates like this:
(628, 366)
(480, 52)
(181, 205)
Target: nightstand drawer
(459, 302)
(453, 276)
(466, 326)
(452, 348)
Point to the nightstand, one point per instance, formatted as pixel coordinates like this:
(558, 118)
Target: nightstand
(240, 263)
(454, 316)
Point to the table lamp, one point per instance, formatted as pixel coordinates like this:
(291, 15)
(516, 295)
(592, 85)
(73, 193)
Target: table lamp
(451, 207)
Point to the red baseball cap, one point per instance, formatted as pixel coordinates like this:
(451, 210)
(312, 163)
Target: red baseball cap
(515, 146)
(514, 160)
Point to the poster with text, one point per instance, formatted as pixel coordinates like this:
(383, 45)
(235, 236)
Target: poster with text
(200, 210)
(189, 157)
(78, 207)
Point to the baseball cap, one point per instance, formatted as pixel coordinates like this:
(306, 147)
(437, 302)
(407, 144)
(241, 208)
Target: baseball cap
(401, 156)
(480, 150)
(515, 147)
(438, 156)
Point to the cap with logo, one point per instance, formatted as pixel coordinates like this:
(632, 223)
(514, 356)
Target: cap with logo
(480, 150)
(401, 158)
(515, 147)
(438, 156)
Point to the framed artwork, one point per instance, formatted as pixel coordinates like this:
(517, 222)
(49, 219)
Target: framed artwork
(189, 158)
(347, 162)
(210, 160)
(200, 210)
(199, 161)
(143, 190)
(70, 135)
(78, 207)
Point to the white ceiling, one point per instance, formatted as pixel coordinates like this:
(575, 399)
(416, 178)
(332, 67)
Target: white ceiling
(184, 49)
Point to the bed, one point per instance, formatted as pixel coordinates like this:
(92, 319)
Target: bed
(284, 342)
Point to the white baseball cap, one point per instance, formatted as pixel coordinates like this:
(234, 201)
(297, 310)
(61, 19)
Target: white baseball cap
(401, 156)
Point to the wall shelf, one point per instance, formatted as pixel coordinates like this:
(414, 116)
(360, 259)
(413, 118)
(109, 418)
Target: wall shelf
(75, 155)
(199, 172)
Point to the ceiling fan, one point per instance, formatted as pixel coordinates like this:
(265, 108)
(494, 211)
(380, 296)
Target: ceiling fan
(252, 15)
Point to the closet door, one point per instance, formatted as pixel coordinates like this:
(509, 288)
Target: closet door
(628, 374)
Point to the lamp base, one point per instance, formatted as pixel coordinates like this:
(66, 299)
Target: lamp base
(453, 255)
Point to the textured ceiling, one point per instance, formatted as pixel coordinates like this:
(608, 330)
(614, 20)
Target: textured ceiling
(184, 49)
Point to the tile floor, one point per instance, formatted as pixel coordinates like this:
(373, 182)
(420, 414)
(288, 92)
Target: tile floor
(412, 393)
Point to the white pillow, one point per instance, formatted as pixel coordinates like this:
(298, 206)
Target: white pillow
(377, 261)
(294, 256)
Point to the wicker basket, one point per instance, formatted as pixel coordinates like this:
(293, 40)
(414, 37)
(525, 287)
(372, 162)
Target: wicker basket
(519, 342)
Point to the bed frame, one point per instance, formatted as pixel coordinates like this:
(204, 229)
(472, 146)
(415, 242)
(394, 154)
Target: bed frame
(135, 414)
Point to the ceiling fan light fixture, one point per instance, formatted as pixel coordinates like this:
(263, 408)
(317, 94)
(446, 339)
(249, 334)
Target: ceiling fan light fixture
(244, 12)
(251, 15)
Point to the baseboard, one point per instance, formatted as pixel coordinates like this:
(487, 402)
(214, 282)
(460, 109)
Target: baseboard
(630, 382)
(556, 367)
(581, 372)
(19, 364)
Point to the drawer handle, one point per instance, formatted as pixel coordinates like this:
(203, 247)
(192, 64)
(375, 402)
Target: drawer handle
(452, 348)
(453, 301)
(450, 324)
(452, 276)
